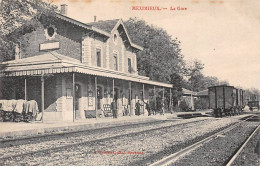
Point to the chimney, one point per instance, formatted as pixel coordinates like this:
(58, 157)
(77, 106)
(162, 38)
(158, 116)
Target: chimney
(95, 18)
(63, 9)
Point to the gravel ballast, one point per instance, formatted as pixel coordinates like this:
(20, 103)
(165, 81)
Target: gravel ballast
(250, 155)
(124, 150)
(220, 150)
(36, 144)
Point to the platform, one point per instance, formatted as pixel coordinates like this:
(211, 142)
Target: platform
(13, 129)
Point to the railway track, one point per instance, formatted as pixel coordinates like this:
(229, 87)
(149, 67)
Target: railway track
(52, 135)
(171, 159)
(81, 152)
(34, 140)
(234, 157)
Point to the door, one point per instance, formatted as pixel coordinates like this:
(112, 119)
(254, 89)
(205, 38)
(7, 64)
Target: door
(99, 97)
(77, 97)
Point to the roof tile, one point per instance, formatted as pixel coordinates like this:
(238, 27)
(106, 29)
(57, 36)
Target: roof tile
(106, 26)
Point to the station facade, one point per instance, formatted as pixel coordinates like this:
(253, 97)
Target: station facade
(74, 70)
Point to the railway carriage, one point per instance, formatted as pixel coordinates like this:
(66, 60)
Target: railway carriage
(226, 100)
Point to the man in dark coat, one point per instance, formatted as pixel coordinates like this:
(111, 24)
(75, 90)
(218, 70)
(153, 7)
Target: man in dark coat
(147, 106)
(114, 108)
(137, 108)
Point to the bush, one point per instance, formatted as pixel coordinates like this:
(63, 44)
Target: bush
(200, 104)
(184, 106)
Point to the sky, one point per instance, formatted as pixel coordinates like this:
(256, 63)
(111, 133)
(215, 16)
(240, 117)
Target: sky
(223, 34)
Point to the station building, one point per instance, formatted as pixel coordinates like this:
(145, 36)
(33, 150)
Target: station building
(74, 70)
(188, 97)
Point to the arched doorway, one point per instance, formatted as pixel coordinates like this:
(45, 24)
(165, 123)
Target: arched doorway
(99, 97)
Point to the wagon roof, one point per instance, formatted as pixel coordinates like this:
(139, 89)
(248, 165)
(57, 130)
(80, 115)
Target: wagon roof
(222, 86)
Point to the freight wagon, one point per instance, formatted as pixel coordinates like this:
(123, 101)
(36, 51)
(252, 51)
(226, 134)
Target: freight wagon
(226, 100)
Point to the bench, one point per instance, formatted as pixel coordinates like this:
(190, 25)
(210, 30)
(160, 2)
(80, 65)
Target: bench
(107, 110)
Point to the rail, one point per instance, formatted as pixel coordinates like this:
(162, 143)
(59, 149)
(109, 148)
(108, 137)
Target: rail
(174, 157)
(242, 147)
(90, 141)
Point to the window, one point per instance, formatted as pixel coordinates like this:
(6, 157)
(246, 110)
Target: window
(129, 66)
(115, 38)
(98, 57)
(50, 31)
(115, 62)
(141, 95)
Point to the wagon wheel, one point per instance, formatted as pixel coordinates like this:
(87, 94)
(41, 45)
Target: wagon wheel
(215, 113)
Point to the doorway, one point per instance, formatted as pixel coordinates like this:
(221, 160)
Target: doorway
(99, 97)
(77, 97)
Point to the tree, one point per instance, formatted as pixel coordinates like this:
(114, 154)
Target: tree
(197, 81)
(177, 82)
(161, 56)
(223, 82)
(161, 59)
(193, 71)
(184, 106)
(200, 104)
(252, 94)
(18, 18)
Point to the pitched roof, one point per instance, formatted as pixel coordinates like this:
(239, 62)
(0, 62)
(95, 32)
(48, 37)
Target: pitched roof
(188, 92)
(78, 23)
(109, 25)
(203, 93)
(52, 62)
(106, 26)
(45, 57)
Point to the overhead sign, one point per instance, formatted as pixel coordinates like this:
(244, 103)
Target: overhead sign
(50, 46)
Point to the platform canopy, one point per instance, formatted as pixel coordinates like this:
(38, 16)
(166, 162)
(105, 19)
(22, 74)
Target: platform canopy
(52, 63)
(203, 93)
(188, 92)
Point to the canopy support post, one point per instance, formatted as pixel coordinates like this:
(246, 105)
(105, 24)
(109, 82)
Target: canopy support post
(155, 106)
(96, 95)
(25, 89)
(73, 95)
(143, 99)
(163, 101)
(170, 100)
(42, 94)
(130, 96)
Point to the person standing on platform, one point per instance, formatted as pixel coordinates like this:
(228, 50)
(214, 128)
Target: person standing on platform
(114, 108)
(147, 106)
(137, 108)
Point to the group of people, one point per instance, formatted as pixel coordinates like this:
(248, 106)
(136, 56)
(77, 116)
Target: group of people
(126, 111)
(150, 109)
(138, 108)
